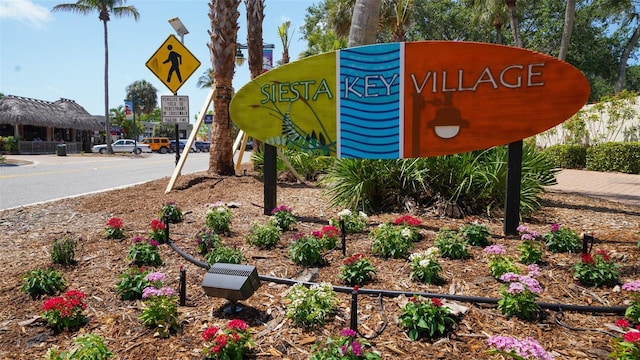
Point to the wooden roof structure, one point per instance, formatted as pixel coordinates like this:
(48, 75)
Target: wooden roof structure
(63, 113)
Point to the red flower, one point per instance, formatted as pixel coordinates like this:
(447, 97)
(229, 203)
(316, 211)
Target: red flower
(407, 220)
(235, 337)
(222, 339)
(436, 302)
(587, 258)
(414, 300)
(237, 324)
(632, 336)
(157, 225)
(209, 333)
(115, 223)
(350, 260)
(604, 254)
(330, 231)
(623, 323)
(216, 349)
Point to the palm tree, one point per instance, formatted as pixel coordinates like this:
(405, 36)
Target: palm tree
(224, 34)
(104, 8)
(364, 23)
(490, 11)
(513, 22)
(144, 96)
(285, 38)
(255, 16)
(206, 80)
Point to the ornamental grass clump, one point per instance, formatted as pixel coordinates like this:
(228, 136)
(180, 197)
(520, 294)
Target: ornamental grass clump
(132, 282)
(218, 218)
(158, 231)
(353, 222)
(411, 224)
(527, 349)
(311, 307)
(475, 234)
(356, 270)
(114, 229)
(40, 282)
(65, 312)
(627, 346)
(144, 252)
(499, 263)
(390, 241)
(562, 239)
(87, 347)
(451, 244)
(264, 236)
(171, 212)
(425, 267)
(232, 343)
(596, 270)
(206, 240)
(346, 346)
(519, 297)
(160, 307)
(426, 318)
(283, 218)
(633, 311)
(63, 251)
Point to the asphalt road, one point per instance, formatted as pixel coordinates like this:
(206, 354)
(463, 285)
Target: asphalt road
(51, 177)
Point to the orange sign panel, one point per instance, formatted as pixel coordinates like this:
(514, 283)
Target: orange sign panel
(404, 100)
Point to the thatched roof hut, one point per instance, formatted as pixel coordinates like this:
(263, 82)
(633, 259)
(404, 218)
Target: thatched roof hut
(63, 113)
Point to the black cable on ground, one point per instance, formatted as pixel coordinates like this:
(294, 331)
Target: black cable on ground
(384, 324)
(559, 314)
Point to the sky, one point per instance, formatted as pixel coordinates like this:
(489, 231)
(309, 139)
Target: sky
(48, 56)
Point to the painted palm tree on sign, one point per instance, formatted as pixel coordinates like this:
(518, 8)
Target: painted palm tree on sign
(224, 34)
(104, 8)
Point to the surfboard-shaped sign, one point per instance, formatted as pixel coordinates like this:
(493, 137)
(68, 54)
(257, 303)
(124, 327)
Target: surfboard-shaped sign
(406, 100)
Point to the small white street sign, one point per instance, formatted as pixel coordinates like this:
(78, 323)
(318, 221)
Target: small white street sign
(175, 109)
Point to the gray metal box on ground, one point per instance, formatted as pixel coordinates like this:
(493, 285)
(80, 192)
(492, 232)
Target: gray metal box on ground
(231, 281)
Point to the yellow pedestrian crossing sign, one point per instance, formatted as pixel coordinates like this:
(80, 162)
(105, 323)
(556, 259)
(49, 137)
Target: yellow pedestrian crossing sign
(172, 63)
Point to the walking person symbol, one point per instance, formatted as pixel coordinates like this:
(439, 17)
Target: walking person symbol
(176, 61)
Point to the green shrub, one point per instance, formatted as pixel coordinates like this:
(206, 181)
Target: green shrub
(308, 165)
(566, 156)
(562, 239)
(8, 144)
(225, 254)
(620, 157)
(475, 234)
(132, 282)
(306, 250)
(264, 236)
(40, 282)
(144, 252)
(451, 244)
(391, 241)
(87, 347)
(311, 307)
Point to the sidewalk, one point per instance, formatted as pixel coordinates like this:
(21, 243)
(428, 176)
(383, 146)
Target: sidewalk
(618, 187)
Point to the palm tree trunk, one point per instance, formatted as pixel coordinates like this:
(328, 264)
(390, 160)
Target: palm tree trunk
(107, 122)
(513, 22)
(364, 23)
(569, 15)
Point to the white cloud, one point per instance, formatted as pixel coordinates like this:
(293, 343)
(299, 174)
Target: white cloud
(25, 11)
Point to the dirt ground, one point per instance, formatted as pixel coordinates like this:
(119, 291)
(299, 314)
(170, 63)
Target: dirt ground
(26, 235)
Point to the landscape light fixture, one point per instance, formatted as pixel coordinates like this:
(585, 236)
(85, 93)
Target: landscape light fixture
(232, 282)
(240, 56)
(179, 27)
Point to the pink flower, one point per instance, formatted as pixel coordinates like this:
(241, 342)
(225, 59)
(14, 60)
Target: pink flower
(348, 333)
(623, 323)
(237, 324)
(555, 227)
(155, 276)
(209, 333)
(495, 250)
(632, 336)
(632, 286)
(407, 220)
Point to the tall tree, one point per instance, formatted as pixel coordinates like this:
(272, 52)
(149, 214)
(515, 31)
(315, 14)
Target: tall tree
(105, 9)
(629, 11)
(364, 23)
(285, 39)
(513, 22)
(224, 16)
(144, 96)
(569, 16)
(490, 11)
(255, 17)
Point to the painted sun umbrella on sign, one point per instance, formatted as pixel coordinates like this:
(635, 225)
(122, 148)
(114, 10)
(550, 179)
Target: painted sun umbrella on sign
(173, 63)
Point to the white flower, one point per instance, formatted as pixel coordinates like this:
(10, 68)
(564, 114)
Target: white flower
(343, 213)
(424, 262)
(432, 252)
(363, 215)
(406, 233)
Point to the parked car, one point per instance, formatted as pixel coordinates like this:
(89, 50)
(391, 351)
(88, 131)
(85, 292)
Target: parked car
(122, 146)
(159, 144)
(182, 145)
(203, 145)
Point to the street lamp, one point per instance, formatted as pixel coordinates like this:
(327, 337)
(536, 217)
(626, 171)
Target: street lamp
(179, 27)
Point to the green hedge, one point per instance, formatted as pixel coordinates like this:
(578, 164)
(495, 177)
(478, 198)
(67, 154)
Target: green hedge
(622, 157)
(8, 144)
(566, 156)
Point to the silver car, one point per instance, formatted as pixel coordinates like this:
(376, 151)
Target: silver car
(122, 146)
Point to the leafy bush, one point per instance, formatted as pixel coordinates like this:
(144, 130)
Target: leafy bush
(206, 239)
(132, 283)
(530, 252)
(308, 165)
(596, 270)
(620, 157)
(311, 307)
(499, 263)
(172, 212)
(353, 222)
(348, 346)
(451, 244)
(391, 241)
(63, 251)
(8, 144)
(264, 236)
(218, 218)
(425, 267)
(566, 156)
(144, 252)
(519, 297)
(356, 270)
(475, 234)
(282, 217)
(225, 254)
(40, 282)
(306, 250)
(562, 239)
(65, 311)
(426, 318)
(87, 347)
